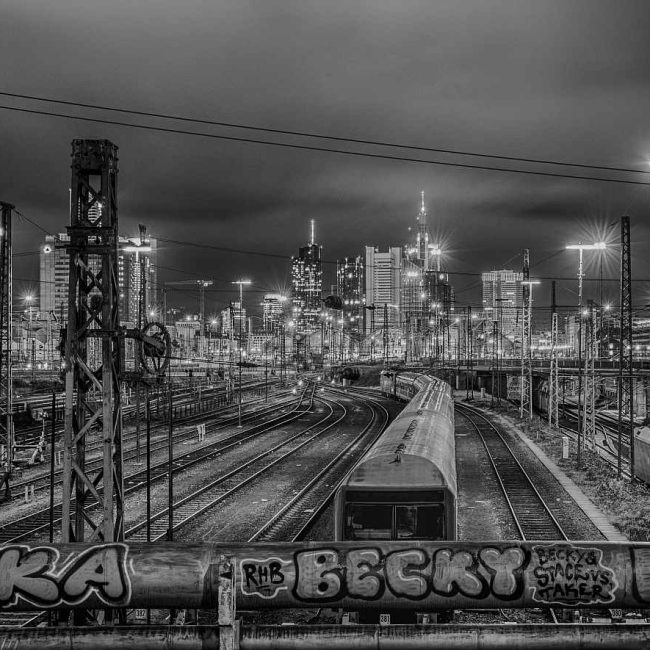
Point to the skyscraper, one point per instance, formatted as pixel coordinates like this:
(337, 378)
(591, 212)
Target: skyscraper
(426, 298)
(503, 300)
(272, 310)
(307, 286)
(383, 282)
(350, 288)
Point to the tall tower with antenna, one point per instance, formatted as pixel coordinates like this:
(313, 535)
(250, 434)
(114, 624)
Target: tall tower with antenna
(307, 285)
(422, 241)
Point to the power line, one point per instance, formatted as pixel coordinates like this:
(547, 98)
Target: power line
(224, 249)
(319, 136)
(34, 223)
(303, 147)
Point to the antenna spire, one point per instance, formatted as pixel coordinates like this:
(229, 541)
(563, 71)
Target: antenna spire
(313, 228)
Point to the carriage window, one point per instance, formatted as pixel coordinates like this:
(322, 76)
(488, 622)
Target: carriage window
(368, 521)
(419, 522)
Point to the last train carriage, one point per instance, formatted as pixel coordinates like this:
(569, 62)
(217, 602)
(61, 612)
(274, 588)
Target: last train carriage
(404, 487)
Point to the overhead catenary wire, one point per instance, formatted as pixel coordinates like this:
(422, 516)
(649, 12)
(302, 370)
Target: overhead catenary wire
(320, 136)
(346, 152)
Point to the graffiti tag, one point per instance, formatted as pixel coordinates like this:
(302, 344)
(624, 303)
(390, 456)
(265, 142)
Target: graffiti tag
(367, 574)
(35, 575)
(568, 575)
(263, 578)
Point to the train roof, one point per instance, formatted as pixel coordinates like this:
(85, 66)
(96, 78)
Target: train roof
(417, 451)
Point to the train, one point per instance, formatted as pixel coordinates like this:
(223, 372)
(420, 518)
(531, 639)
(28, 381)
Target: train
(404, 487)
(401, 385)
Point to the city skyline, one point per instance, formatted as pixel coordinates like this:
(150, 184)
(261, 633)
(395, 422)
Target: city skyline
(436, 254)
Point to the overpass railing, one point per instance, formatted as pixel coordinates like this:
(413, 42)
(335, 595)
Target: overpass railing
(421, 576)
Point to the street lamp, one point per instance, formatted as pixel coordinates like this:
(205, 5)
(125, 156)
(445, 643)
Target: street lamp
(580, 248)
(241, 284)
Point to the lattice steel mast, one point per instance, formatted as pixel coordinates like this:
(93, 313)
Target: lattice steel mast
(589, 416)
(625, 374)
(554, 383)
(6, 426)
(92, 348)
(525, 401)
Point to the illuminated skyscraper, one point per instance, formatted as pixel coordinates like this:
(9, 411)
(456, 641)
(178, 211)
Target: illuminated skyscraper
(383, 282)
(272, 310)
(350, 288)
(307, 286)
(503, 299)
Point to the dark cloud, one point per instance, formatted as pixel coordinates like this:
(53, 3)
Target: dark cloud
(532, 78)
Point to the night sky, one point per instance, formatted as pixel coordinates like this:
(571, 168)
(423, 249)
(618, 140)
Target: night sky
(560, 80)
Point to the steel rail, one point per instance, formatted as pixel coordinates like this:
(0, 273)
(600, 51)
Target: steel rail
(29, 525)
(41, 480)
(214, 493)
(292, 514)
(518, 488)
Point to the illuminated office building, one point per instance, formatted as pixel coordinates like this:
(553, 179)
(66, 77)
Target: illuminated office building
(503, 300)
(350, 288)
(306, 287)
(272, 311)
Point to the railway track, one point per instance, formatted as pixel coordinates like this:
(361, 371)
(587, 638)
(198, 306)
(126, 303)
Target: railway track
(38, 523)
(191, 507)
(531, 514)
(194, 505)
(292, 521)
(41, 481)
(529, 510)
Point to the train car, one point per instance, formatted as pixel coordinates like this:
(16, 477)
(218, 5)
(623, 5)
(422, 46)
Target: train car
(401, 385)
(387, 382)
(404, 487)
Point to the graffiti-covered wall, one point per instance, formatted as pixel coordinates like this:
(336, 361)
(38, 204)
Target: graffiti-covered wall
(429, 576)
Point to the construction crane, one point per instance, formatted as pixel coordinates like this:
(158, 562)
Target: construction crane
(202, 284)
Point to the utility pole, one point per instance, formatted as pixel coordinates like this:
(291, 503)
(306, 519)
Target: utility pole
(230, 352)
(470, 356)
(6, 406)
(553, 383)
(498, 337)
(494, 362)
(526, 403)
(525, 394)
(142, 316)
(241, 284)
(372, 333)
(589, 421)
(202, 286)
(385, 335)
(625, 368)
(554, 387)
